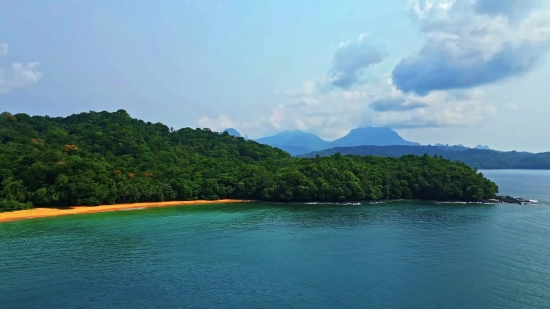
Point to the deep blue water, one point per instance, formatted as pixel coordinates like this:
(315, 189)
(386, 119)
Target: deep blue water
(398, 255)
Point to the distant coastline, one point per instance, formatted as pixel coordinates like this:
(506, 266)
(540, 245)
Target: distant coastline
(77, 210)
(476, 158)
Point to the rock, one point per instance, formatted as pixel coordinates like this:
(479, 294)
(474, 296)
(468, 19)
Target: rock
(512, 200)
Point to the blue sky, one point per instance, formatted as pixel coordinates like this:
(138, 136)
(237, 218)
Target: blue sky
(462, 71)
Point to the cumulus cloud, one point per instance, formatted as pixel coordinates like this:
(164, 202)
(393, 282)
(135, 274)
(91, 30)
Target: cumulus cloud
(351, 59)
(379, 104)
(216, 124)
(441, 109)
(20, 76)
(348, 102)
(3, 49)
(474, 43)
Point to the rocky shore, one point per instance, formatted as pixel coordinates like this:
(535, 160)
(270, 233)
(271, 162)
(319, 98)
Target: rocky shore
(511, 200)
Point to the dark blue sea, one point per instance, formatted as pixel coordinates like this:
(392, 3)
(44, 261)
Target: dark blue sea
(396, 255)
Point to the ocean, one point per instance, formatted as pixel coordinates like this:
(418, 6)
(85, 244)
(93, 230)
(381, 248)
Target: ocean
(258, 255)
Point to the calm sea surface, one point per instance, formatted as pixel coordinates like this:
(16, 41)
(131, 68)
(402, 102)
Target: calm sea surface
(399, 255)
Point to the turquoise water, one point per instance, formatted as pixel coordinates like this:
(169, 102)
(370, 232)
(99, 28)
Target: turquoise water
(398, 255)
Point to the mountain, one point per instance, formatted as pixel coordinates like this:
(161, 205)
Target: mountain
(476, 158)
(289, 137)
(378, 136)
(298, 142)
(482, 147)
(232, 132)
(295, 142)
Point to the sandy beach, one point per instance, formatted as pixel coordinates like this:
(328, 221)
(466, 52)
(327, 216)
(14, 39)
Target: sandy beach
(53, 212)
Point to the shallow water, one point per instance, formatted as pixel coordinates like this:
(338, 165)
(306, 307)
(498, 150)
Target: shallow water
(399, 255)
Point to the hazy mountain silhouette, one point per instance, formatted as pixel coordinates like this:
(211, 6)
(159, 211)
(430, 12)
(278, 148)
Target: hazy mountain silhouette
(376, 136)
(295, 142)
(298, 142)
(458, 147)
(233, 132)
(476, 158)
(482, 147)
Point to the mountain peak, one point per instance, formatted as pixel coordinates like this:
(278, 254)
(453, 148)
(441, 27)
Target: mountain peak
(376, 136)
(299, 142)
(232, 132)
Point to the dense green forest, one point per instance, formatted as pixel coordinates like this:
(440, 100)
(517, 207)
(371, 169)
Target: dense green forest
(103, 158)
(476, 158)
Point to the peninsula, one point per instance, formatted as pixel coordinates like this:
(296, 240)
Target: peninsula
(103, 158)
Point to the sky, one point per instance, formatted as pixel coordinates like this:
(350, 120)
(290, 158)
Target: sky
(437, 71)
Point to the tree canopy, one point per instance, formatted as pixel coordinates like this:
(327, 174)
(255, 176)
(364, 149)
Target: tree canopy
(476, 158)
(104, 158)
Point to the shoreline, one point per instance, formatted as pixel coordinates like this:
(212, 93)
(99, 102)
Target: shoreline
(46, 212)
(78, 210)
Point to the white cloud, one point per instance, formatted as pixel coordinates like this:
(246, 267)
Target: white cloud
(351, 59)
(336, 112)
(474, 43)
(19, 76)
(469, 45)
(428, 9)
(216, 124)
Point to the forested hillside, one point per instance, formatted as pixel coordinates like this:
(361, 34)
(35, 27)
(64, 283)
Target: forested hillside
(103, 158)
(476, 158)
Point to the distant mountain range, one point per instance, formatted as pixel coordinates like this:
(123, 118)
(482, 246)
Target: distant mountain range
(476, 158)
(459, 147)
(383, 141)
(299, 142)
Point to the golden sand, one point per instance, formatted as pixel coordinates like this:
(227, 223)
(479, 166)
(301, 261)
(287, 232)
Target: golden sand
(53, 212)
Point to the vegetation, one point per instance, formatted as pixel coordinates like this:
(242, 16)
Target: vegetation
(476, 158)
(103, 158)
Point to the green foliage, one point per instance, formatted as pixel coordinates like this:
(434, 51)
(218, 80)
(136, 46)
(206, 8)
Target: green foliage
(476, 158)
(103, 158)
(9, 205)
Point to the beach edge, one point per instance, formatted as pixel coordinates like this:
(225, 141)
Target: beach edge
(78, 210)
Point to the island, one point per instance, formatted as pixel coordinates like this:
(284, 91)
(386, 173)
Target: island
(104, 158)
